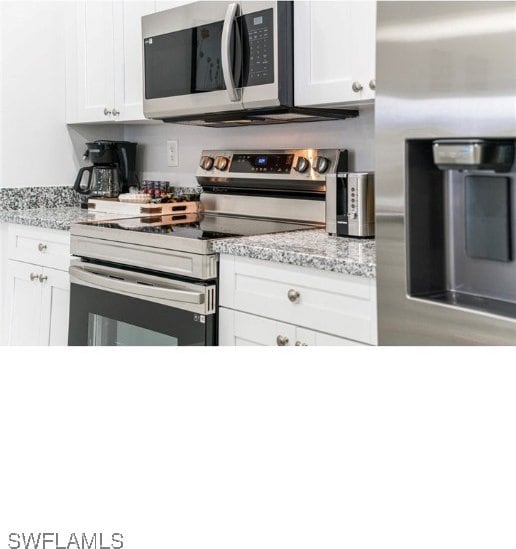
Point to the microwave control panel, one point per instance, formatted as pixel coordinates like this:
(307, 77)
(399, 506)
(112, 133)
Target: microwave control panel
(259, 47)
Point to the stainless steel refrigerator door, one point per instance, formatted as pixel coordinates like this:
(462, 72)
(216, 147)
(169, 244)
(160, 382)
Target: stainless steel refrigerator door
(444, 69)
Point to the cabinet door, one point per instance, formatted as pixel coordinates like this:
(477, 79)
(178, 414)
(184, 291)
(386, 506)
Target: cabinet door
(236, 328)
(23, 303)
(334, 47)
(90, 64)
(128, 58)
(311, 337)
(55, 307)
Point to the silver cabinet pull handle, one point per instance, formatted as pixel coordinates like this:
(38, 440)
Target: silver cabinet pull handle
(372, 84)
(115, 112)
(356, 87)
(33, 277)
(42, 278)
(293, 295)
(42, 247)
(281, 341)
(299, 344)
(227, 34)
(107, 112)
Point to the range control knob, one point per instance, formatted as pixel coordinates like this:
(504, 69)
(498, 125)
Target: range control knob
(302, 164)
(321, 164)
(221, 163)
(206, 162)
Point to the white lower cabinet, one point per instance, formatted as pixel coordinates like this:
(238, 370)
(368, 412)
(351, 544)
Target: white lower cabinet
(24, 303)
(237, 328)
(55, 308)
(36, 294)
(265, 303)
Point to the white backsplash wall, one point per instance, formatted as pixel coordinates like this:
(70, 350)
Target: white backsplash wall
(354, 134)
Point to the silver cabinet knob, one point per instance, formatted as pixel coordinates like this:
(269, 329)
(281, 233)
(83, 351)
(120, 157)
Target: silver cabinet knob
(42, 247)
(107, 112)
(115, 112)
(293, 295)
(372, 84)
(33, 277)
(299, 344)
(281, 341)
(357, 86)
(42, 278)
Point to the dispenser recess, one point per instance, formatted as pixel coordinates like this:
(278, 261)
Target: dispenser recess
(460, 223)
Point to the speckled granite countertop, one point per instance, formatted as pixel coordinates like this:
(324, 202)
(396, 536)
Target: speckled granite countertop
(50, 218)
(311, 248)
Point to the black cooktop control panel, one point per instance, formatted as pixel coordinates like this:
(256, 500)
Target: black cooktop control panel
(262, 163)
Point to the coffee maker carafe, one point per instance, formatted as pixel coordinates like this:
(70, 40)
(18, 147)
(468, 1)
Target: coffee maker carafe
(113, 170)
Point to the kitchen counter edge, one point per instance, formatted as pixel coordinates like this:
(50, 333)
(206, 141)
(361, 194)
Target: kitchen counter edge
(307, 248)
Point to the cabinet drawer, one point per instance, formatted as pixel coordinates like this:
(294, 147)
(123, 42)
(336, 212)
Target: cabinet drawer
(333, 303)
(239, 329)
(318, 339)
(45, 247)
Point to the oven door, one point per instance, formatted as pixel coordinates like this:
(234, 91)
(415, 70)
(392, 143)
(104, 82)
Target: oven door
(111, 306)
(192, 60)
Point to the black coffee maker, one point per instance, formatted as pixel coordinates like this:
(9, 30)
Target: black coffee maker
(113, 170)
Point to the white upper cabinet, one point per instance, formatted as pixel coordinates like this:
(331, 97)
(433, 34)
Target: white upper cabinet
(90, 62)
(128, 59)
(104, 61)
(334, 52)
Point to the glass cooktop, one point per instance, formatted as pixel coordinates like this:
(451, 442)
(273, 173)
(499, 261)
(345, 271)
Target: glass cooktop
(200, 226)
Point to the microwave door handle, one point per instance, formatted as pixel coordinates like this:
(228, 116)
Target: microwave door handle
(103, 277)
(227, 35)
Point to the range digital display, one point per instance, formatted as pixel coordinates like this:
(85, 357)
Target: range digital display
(268, 163)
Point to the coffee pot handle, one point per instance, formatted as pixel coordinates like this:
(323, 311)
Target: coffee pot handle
(77, 184)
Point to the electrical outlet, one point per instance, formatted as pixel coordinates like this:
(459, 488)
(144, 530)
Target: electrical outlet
(172, 154)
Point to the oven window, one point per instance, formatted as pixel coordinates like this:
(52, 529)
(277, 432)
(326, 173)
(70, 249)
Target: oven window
(103, 331)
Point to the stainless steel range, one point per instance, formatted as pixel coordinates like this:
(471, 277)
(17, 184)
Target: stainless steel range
(152, 280)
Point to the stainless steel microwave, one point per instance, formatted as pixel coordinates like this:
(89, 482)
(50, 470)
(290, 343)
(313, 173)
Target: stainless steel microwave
(223, 63)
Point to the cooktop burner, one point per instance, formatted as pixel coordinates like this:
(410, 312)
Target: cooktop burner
(199, 226)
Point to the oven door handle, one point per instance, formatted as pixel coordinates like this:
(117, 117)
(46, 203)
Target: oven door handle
(227, 35)
(133, 284)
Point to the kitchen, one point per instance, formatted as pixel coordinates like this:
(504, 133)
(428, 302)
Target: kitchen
(261, 242)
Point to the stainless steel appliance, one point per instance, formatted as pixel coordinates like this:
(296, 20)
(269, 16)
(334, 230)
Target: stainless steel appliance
(223, 64)
(350, 205)
(152, 280)
(445, 197)
(113, 170)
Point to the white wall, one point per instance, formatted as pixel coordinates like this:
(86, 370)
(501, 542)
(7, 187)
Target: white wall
(356, 135)
(36, 147)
